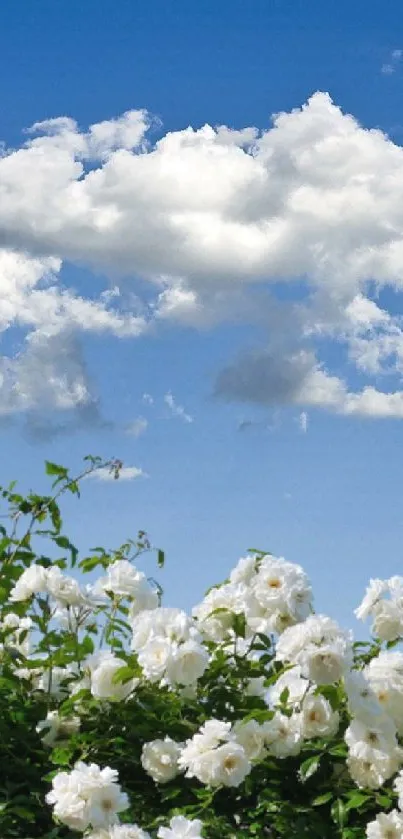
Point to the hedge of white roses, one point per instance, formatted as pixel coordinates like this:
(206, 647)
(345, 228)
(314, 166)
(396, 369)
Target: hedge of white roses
(253, 716)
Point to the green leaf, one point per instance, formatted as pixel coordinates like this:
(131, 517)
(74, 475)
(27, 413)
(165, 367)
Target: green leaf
(338, 812)
(160, 558)
(309, 767)
(53, 469)
(123, 675)
(322, 799)
(356, 800)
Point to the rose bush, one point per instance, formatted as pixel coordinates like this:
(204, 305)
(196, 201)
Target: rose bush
(252, 717)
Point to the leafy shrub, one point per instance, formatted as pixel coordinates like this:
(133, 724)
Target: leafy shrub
(123, 719)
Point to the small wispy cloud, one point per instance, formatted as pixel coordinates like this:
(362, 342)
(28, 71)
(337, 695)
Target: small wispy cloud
(392, 64)
(175, 409)
(148, 399)
(303, 421)
(137, 427)
(126, 473)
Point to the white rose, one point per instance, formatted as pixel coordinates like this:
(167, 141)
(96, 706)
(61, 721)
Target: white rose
(181, 828)
(379, 734)
(251, 736)
(293, 682)
(244, 571)
(88, 795)
(187, 663)
(159, 759)
(120, 831)
(283, 735)
(32, 581)
(362, 699)
(369, 767)
(325, 665)
(63, 588)
(386, 826)
(102, 684)
(388, 621)
(124, 580)
(154, 657)
(318, 718)
(373, 594)
(226, 765)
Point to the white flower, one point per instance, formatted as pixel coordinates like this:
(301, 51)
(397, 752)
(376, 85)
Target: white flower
(373, 594)
(56, 727)
(214, 614)
(251, 736)
(120, 831)
(187, 663)
(124, 580)
(318, 718)
(370, 767)
(380, 734)
(388, 621)
(385, 676)
(211, 734)
(326, 664)
(103, 668)
(226, 765)
(315, 630)
(283, 586)
(283, 735)
(386, 826)
(213, 757)
(294, 683)
(362, 700)
(32, 581)
(244, 571)
(171, 624)
(153, 658)
(319, 646)
(181, 828)
(88, 795)
(63, 588)
(159, 759)
(17, 632)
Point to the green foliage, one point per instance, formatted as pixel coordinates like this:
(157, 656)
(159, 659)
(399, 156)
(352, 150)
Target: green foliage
(310, 795)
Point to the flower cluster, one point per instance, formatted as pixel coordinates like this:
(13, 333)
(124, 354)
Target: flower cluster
(383, 602)
(169, 647)
(271, 593)
(212, 721)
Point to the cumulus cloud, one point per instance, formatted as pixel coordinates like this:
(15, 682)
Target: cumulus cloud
(215, 220)
(126, 473)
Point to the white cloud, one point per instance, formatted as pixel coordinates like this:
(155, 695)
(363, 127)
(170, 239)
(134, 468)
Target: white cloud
(49, 373)
(148, 399)
(392, 64)
(303, 421)
(137, 427)
(175, 409)
(126, 473)
(214, 219)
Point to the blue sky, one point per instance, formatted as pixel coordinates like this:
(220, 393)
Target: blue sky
(258, 277)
